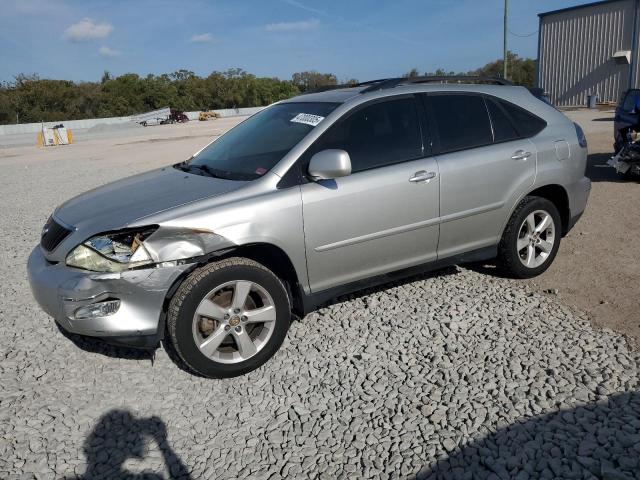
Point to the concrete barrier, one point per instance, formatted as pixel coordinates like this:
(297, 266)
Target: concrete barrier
(24, 128)
(72, 124)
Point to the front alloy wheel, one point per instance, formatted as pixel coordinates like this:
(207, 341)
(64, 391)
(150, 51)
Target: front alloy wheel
(234, 321)
(228, 318)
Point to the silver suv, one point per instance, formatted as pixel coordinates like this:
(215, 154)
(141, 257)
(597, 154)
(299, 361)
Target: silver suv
(311, 198)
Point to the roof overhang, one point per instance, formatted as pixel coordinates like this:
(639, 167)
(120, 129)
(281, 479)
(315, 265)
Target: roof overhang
(622, 57)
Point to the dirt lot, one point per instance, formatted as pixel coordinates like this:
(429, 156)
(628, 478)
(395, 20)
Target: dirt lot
(597, 268)
(410, 380)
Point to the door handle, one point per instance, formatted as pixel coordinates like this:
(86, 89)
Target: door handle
(422, 176)
(520, 155)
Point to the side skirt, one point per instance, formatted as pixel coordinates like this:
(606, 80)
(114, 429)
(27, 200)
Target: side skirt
(314, 300)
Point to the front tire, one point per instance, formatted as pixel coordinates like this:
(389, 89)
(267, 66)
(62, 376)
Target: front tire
(531, 239)
(228, 318)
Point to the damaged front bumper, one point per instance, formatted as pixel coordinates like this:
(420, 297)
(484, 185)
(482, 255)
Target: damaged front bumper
(627, 160)
(624, 167)
(61, 291)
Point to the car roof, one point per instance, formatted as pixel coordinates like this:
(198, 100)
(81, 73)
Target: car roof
(342, 95)
(338, 95)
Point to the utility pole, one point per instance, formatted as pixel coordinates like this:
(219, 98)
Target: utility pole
(504, 39)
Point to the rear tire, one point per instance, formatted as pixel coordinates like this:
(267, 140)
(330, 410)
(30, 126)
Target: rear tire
(228, 318)
(531, 239)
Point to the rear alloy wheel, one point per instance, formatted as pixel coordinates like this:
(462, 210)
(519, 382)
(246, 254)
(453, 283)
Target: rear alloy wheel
(531, 238)
(536, 239)
(228, 317)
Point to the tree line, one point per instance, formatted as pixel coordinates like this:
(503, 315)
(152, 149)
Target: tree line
(29, 98)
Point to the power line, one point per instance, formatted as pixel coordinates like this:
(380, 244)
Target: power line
(523, 35)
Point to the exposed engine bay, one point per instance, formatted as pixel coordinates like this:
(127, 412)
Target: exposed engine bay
(627, 160)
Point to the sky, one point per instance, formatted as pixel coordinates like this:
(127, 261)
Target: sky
(363, 39)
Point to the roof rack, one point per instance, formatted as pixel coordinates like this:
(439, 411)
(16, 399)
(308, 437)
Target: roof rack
(385, 83)
(326, 88)
(393, 82)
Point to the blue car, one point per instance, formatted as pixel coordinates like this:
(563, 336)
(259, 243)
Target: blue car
(627, 117)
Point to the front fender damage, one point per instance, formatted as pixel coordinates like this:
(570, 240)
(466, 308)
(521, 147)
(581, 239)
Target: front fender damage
(172, 244)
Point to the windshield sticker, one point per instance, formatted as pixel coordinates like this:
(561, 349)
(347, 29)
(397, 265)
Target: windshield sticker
(307, 119)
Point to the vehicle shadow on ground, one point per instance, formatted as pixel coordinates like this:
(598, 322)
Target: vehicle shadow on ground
(96, 345)
(488, 267)
(599, 171)
(600, 440)
(391, 283)
(118, 437)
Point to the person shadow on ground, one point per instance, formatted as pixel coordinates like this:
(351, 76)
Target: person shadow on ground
(118, 437)
(595, 441)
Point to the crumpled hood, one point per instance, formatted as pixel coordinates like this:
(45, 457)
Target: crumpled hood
(121, 203)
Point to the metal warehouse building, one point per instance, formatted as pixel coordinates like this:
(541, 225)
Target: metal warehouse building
(589, 50)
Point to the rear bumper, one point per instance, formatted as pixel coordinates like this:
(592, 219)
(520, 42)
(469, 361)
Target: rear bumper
(578, 197)
(61, 290)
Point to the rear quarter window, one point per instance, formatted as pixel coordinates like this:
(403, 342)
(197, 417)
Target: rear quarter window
(526, 123)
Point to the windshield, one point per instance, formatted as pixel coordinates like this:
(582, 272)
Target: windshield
(255, 146)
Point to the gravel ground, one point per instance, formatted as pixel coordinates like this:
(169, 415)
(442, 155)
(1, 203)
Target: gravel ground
(597, 268)
(453, 375)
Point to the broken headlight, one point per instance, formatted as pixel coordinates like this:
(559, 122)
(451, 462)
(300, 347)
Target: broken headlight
(112, 252)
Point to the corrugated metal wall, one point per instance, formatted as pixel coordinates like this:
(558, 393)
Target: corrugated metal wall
(576, 48)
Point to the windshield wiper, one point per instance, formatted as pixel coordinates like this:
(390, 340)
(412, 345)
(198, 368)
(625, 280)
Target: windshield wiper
(188, 167)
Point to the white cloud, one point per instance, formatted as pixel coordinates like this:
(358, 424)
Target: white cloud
(86, 29)
(301, 26)
(202, 38)
(108, 52)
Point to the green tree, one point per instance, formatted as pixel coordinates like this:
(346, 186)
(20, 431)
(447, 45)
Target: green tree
(520, 71)
(312, 80)
(412, 73)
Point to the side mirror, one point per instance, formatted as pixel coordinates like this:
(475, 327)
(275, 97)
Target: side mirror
(330, 164)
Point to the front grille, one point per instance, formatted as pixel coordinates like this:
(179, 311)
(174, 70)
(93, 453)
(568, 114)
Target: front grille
(52, 234)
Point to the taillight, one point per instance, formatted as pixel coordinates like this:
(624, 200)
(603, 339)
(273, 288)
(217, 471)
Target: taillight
(582, 140)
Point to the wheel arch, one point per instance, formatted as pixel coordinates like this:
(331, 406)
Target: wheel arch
(276, 260)
(269, 255)
(557, 195)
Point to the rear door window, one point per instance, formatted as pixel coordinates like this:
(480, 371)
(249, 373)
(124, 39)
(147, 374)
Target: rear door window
(461, 121)
(377, 135)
